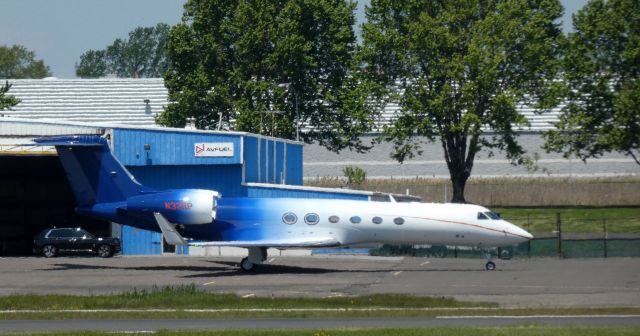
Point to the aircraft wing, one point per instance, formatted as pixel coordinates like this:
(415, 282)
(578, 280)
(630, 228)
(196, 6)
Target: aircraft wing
(278, 243)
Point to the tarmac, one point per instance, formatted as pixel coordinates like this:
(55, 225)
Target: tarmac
(613, 282)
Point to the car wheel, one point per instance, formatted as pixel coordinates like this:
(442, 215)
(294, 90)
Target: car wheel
(104, 251)
(49, 251)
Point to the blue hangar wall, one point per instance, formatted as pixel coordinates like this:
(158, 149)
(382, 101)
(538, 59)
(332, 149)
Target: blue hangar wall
(245, 165)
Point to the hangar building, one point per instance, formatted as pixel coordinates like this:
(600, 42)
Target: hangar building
(34, 193)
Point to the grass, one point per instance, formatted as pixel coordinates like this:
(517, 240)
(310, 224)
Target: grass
(527, 330)
(189, 302)
(190, 297)
(185, 298)
(575, 219)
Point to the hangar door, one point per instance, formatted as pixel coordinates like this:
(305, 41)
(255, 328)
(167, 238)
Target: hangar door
(35, 195)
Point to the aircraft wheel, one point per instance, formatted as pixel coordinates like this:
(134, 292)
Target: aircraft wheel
(247, 266)
(49, 251)
(490, 266)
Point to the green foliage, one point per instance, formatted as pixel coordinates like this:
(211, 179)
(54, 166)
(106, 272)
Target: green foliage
(354, 175)
(265, 67)
(93, 64)
(457, 69)
(602, 76)
(142, 55)
(18, 62)
(6, 102)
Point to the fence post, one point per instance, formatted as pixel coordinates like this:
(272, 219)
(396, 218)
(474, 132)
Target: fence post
(559, 230)
(604, 228)
(529, 230)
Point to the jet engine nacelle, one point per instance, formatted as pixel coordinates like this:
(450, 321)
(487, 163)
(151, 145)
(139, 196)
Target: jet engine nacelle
(183, 206)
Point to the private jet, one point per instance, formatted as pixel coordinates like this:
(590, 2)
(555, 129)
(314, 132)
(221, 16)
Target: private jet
(103, 188)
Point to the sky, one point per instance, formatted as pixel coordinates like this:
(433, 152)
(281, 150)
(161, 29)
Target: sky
(59, 31)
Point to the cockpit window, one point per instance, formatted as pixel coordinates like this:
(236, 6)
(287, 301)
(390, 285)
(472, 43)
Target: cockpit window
(492, 215)
(482, 216)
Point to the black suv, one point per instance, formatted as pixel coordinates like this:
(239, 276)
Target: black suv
(51, 241)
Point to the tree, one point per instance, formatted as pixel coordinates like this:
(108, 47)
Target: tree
(93, 64)
(268, 67)
(457, 69)
(602, 74)
(18, 62)
(142, 55)
(6, 102)
(355, 175)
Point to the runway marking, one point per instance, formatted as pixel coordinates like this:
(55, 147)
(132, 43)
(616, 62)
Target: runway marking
(534, 316)
(208, 283)
(542, 286)
(397, 273)
(248, 296)
(271, 260)
(424, 263)
(334, 295)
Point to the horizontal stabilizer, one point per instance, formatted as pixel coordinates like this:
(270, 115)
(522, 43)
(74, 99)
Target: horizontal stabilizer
(282, 243)
(169, 231)
(72, 140)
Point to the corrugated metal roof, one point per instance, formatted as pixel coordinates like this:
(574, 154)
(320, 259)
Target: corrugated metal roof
(24, 130)
(121, 101)
(538, 122)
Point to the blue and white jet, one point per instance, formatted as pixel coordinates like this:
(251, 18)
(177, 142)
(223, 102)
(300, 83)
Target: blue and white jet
(103, 188)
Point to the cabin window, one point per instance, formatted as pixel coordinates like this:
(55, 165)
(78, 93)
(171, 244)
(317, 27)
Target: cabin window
(398, 221)
(376, 220)
(355, 219)
(289, 218)
(482, 216)
(311, 218)
(492, 215)
(334, 219)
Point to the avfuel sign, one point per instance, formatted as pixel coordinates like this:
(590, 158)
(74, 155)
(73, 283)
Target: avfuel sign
(213, 149)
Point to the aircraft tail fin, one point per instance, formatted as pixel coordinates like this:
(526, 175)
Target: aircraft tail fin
(95, 175)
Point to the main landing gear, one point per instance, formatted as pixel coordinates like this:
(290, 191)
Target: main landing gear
(257, 255)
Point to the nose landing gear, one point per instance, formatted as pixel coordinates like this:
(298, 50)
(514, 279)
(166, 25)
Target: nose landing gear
(490, 265)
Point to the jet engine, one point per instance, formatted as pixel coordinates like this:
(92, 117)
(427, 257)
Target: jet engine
(183, 206)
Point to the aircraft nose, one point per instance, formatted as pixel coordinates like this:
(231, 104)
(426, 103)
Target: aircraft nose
(518, 232)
